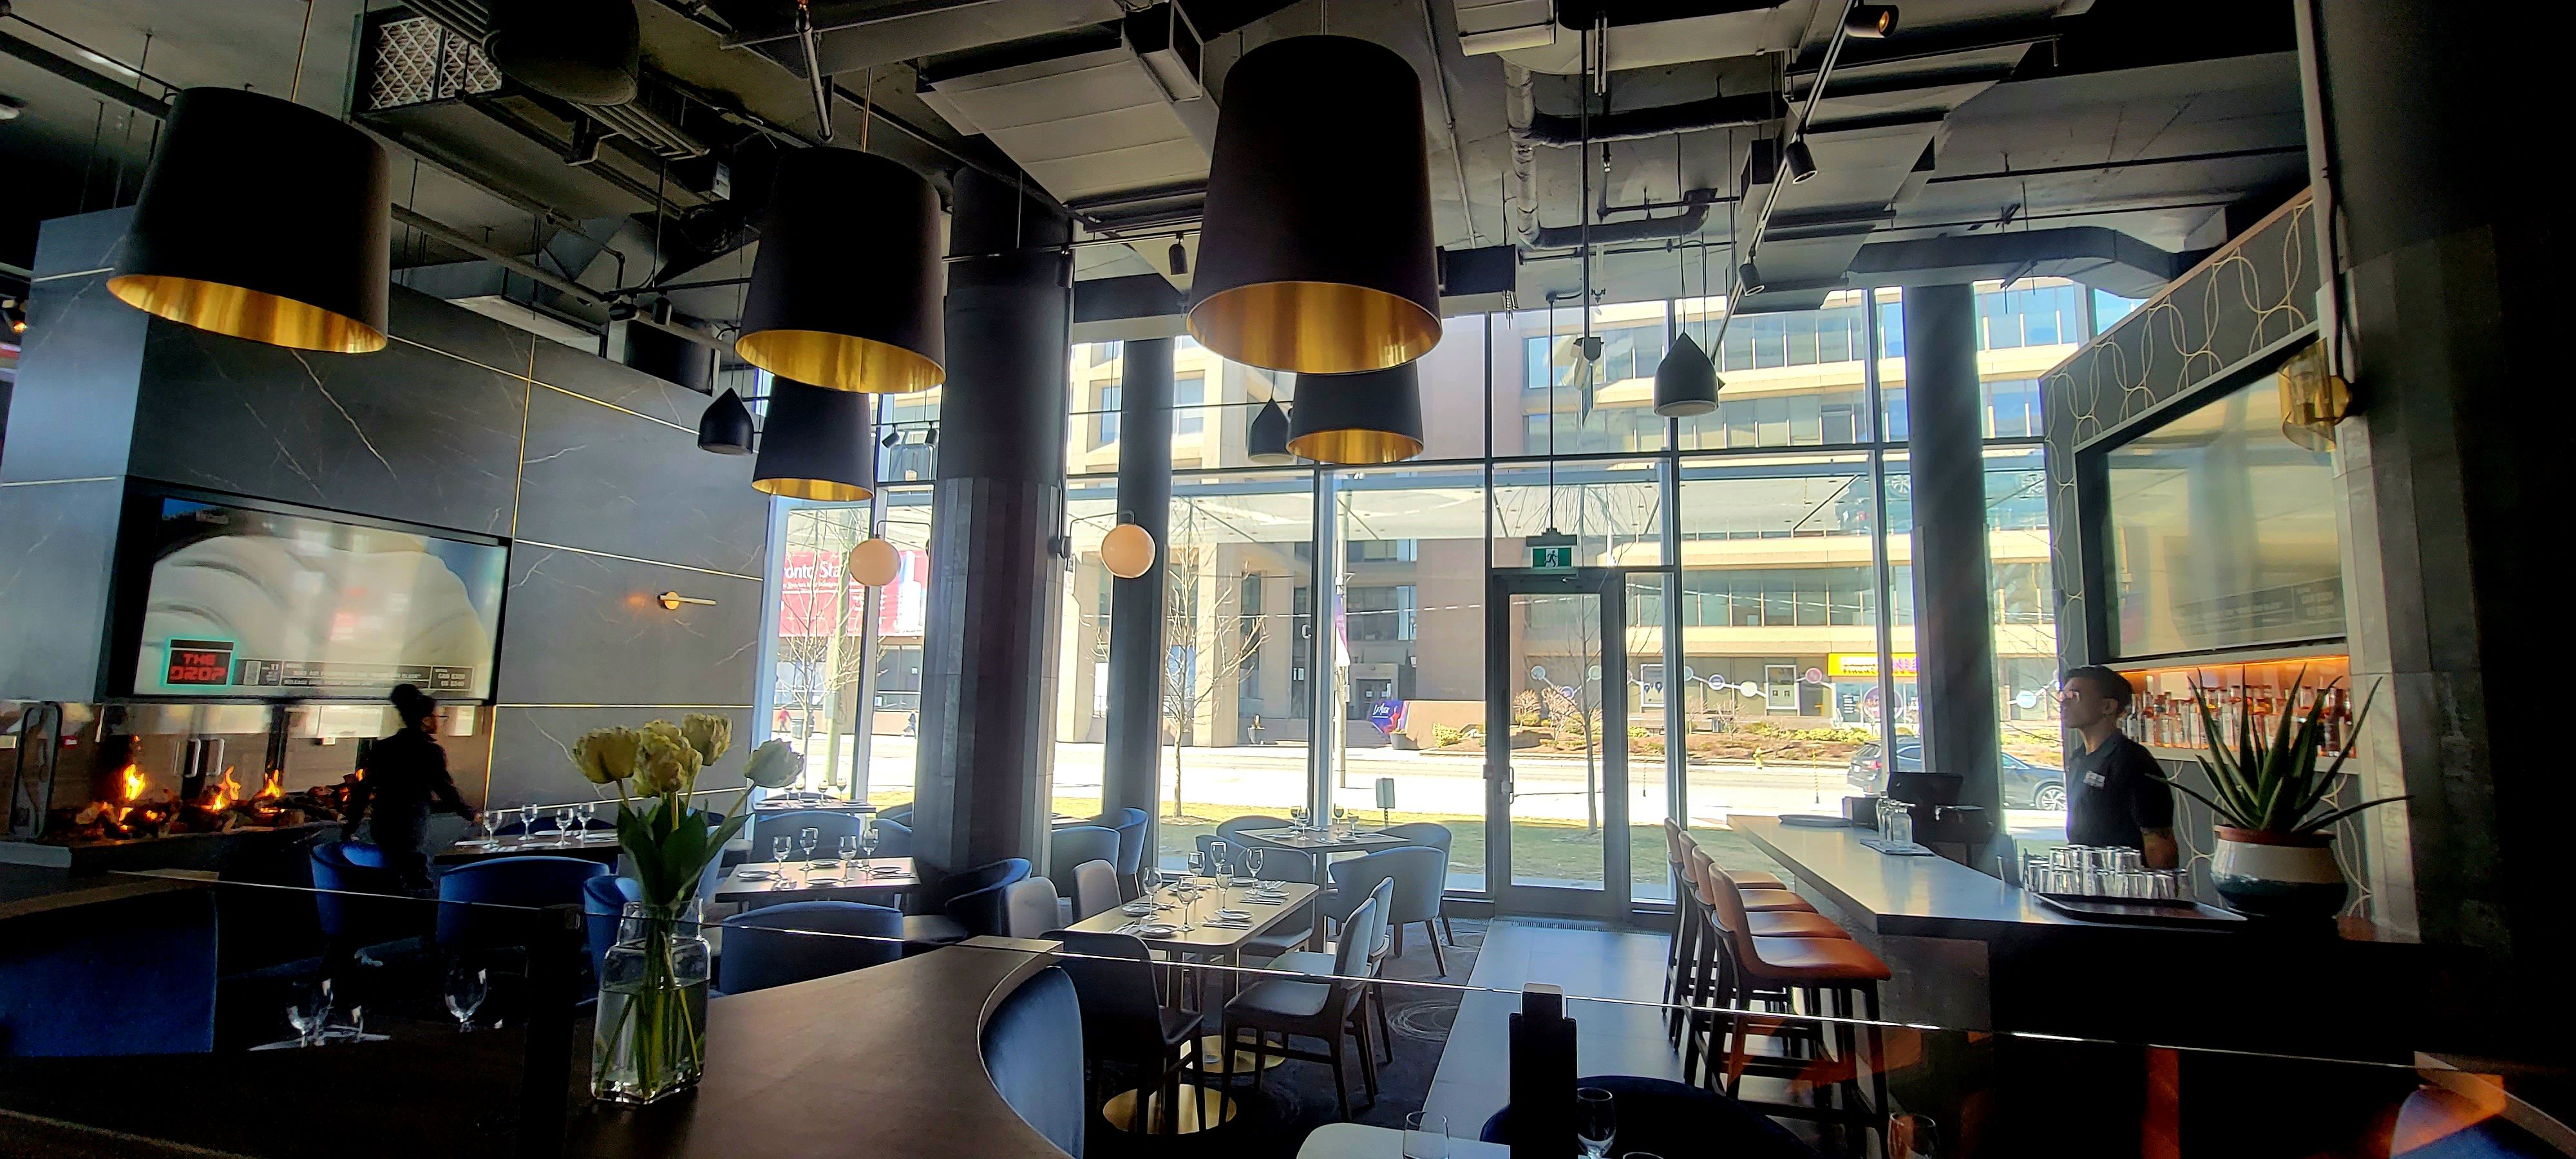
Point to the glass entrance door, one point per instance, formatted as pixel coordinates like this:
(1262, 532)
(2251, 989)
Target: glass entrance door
(1556, 723)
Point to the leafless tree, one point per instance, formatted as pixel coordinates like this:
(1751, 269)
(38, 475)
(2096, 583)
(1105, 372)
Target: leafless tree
(1208, 639)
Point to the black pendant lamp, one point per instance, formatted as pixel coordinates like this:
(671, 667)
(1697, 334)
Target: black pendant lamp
(586, 51)
(725, 428)
(846, 291)
(1315, 251)
(1374, 416)
(814, 444)
(1685, 384)
(1265, 440)
(262, 219)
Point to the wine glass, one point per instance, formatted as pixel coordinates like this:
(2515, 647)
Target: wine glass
(589, 815)
(527, 824)
(1252, 862)
(1595, 1121)
(849, 850)
(1151, 878)
(779, 847)
(566, 830)
(466, 990)
(308, 1006)
(1224, 875)
(806, 839)
(487, 830)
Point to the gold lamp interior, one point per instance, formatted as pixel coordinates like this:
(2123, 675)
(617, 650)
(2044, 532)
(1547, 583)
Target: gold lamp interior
(1356, 447)
(839, 361)
(246, 313)
(820, 489)
(1314, 327)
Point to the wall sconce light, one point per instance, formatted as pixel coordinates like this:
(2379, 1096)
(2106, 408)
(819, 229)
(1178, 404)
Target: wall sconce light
(672, 601)
(2312, 400)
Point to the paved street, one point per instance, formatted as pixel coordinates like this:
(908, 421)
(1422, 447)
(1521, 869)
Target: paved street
(1222, 781)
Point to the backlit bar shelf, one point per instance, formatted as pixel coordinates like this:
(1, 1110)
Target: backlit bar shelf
(2165, 719)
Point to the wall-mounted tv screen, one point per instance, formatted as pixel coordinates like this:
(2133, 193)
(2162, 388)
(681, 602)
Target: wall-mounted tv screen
(251, 603)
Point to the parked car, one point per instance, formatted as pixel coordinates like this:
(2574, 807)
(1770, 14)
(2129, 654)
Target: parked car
(2026, 786)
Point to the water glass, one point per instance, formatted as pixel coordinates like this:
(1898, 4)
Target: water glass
(867, 837)
(527, 824)
(1426, 1136)
(1912, 1137)
(806, 839)
(1596, 1121)
(849, 848)
(568, 828)
(1151, 878)
(779, 847)
(1224, 876)
(466, 990)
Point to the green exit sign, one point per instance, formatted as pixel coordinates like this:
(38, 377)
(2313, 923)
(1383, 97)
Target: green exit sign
(1553, 551)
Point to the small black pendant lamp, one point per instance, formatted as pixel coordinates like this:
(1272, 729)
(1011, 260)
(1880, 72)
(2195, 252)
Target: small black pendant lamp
(725, 428)
(1316, 251)
(846, 291)
(1374, 416)
(814, 444)
(262, 219)
(1685, 382)
(1265, 440)
(586, 51)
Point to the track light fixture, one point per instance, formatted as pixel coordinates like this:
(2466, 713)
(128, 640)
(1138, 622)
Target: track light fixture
(1180, 260)
(892, 437)
(1869, 21)
(1800, 163)
(1748, 280)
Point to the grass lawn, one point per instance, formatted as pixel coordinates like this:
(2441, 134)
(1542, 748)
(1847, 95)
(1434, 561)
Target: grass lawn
(1542, 849)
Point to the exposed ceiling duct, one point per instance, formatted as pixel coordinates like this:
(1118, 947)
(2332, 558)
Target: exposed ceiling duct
(850, 35)
(2104, 259)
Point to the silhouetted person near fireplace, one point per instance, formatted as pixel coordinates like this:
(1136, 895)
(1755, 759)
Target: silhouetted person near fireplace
(401, 777)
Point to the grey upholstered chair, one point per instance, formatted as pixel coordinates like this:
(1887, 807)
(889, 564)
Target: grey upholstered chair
(1030, 906)
(1095, 889)
(1417, 871)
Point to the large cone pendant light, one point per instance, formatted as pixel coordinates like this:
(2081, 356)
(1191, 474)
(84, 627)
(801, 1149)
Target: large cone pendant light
(1316, 252)
(846, 291)
(262, 219)
(1265, 440)
(1685, 384)
(813, 444)
(1371, 417)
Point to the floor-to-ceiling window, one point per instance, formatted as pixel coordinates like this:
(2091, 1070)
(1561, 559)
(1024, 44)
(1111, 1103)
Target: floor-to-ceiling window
(1324, 627)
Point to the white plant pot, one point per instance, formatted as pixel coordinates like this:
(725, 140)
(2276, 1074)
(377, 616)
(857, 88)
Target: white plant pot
(2278, 875)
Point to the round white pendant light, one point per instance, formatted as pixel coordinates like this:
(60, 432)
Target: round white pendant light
(1127, 551)
(875, 563)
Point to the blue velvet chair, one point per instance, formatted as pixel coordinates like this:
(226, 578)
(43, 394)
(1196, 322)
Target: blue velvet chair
(135, 975)
(526, 882)
(969, 904)
(899, 814)
(779, 944)
(1275, 864)
(1676, 1121)
(1418, 872)
(1130, 824)
(894, 839)
(341, 868)
(603, 904)
(1075, 844)
(832, 827)
(1033, 1049)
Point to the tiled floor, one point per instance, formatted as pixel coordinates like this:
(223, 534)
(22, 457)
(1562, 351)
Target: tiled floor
(1590, 962)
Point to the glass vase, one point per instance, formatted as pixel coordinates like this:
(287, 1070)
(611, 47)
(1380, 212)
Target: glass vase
(649, 1039)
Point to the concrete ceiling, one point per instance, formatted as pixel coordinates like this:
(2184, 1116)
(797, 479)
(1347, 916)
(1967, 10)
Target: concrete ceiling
(2144, 117)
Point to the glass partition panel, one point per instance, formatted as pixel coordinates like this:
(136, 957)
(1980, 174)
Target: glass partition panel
(1614, 509)
(1790, 379)
(1082, 649)
(1550, 399)
(1239, 575)
(1411, 640)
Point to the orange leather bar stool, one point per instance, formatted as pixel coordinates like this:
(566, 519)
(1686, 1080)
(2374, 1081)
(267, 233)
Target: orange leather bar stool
(1831, 975)
(1757, 900)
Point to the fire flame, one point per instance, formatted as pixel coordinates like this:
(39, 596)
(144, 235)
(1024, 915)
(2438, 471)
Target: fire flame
(221, 796)
(273, 788)
(133, 783)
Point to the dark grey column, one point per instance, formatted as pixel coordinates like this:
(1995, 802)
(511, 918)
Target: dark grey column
(1131, 776)
(2454, 257)
(984, 771)
(1954, 641)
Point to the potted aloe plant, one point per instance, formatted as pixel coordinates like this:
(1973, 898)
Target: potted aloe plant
(2275, 853)
(648, 1037)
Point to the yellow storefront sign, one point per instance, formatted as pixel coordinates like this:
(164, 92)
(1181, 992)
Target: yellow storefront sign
(1865, 664)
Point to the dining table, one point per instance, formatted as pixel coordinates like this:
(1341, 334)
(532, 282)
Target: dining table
(598, 845)
(1319, 845)
(1359, 1141)
(1188, 905)
(876, 880)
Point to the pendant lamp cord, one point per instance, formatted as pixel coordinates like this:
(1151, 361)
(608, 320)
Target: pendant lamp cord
(295, 88)
(867, 110)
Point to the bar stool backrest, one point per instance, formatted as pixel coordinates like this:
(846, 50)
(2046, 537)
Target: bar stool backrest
(1727, 906)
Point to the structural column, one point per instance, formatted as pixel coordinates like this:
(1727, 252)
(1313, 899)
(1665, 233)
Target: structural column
(2453, 255)
(1954, 641)
(1131, 773)
(984, 775)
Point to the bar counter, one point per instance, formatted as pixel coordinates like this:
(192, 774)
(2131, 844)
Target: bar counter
(1972, 952)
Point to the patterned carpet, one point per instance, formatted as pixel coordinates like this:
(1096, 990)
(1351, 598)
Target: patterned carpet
(1296, 1097)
